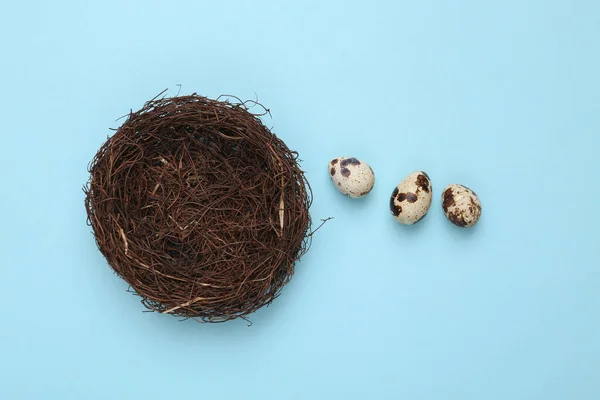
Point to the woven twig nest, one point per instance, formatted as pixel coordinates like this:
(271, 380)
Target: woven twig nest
(199, 207)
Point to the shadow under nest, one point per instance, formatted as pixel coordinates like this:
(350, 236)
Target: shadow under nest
(199, 207)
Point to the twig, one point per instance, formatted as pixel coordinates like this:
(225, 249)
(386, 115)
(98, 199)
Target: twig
(323, 221)
(189, 303)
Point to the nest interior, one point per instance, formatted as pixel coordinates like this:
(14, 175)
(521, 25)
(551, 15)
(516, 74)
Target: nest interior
(199, 207)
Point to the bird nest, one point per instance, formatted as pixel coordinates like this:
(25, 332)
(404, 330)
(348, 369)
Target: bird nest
(199, 207)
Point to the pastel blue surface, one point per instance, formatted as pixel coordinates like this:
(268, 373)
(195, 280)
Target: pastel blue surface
(502, 96)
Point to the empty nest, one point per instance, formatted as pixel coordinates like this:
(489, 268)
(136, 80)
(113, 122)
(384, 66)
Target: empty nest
(199, 207)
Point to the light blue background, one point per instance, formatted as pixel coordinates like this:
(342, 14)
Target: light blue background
(502, 96)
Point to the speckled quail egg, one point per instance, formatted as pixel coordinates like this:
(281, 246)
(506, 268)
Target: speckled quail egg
(411, 199)
(351, 176)
(461, 205)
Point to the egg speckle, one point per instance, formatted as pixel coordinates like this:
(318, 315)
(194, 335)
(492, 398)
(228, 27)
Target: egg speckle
(461, 205)
(351, 176)
(411, 199)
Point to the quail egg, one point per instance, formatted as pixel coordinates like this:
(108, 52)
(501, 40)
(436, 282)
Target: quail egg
(461, 205)
(411, 199)
(351, 176)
